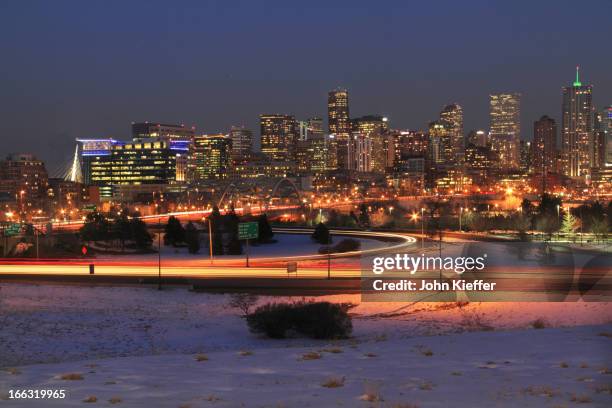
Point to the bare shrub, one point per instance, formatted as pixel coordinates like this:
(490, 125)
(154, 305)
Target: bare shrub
(312, 355)
(243, 302)
(201, 357)
(539, 324)
(333, 382)
(91, 398)
(71, 377)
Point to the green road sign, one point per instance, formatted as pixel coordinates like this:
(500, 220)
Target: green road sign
(248, 230)
(89, 207)
(12, 229)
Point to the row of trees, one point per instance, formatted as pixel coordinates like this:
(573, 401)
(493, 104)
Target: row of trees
(224, 229)
(124, 231)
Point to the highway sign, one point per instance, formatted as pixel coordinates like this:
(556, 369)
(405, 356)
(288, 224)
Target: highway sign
(12, 230)
(248, 230)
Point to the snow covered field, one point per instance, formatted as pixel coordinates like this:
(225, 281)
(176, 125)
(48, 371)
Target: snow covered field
(142, 347)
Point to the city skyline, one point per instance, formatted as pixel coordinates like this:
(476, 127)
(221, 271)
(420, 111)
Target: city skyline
(90, 89)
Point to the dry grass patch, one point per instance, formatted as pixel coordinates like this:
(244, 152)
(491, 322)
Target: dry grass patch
(605, 334)
(201, 357)
(404, 405)
(605, 370)
(457, 373)
(91, 398)
(212, 398)
(372, 393)
(584, 365)
(540, 391)
(563, 364)
(581, 399)
(333, 382)
(370, 355)
(313, 355)
(333, 350)
(71, 377)
(245, 353)
(13, 371)
(427, 352)
(604, 389)
(115, 400)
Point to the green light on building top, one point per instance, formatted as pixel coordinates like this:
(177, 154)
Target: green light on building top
(577, 81)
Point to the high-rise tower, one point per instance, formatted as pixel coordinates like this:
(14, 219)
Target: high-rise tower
(505, 134)
(577, 129)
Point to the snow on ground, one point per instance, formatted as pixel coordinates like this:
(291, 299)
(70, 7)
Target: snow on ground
(287, 245)
(139, 344)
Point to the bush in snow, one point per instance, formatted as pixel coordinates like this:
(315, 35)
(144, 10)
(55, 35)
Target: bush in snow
(319, 320)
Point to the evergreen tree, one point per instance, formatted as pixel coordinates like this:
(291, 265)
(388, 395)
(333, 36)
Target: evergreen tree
(216, 220)
(569, 225)
(192, 238)
(364, 218)
(234, 246)
(265, 231)
(96, 227)
(321, 235)
(140, 234)
(174, 232)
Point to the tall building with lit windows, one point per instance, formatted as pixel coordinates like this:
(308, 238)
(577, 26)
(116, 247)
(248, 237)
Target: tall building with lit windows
(376, 128)
(242, 143)
(339, 123)
(114, 165)
(23, 178)
(279, 136)
(577, 129)
(211, 156)
(505, 129)
(544, 146)
(452, 119)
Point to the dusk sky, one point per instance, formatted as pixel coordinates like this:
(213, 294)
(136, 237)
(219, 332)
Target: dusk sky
(73, 69)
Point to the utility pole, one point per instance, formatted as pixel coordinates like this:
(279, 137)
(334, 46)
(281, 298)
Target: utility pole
(159, 249)
(210, 242)
(422, 228)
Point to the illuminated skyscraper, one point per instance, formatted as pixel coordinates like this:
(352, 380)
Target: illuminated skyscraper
(544, 146)
(339, 122)
(376, 128)
(605, 126)
(279, 136)
(452, 119)
(360, 152)
(577, 129)
(211, 156)
(242, 143)
(505, 134)
(439, 144)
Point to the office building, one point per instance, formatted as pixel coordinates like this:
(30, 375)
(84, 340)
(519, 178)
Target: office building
(279, 136)
(505, 129)
(544, 146)
(211, 157)
(375, 128)
(242, 143)
(577, 129)
(452, 119)
(339, 123)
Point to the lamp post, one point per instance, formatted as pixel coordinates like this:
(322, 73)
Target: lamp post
(460, 213)
(422, 228)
